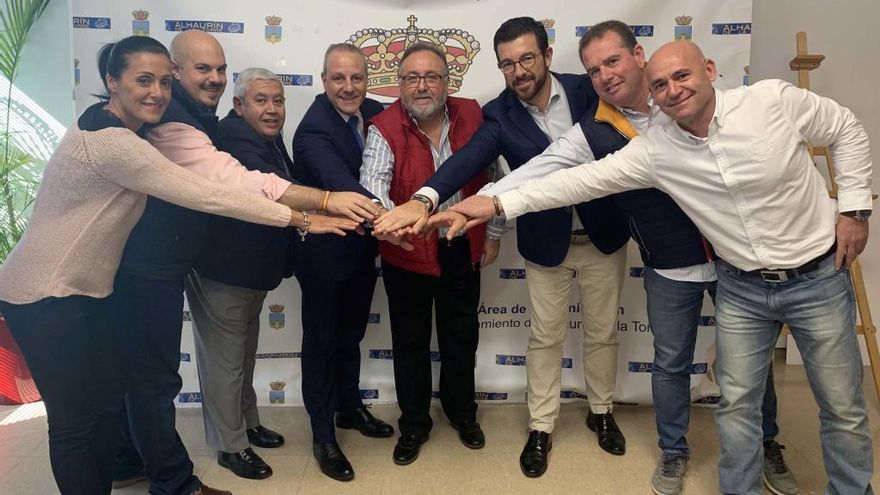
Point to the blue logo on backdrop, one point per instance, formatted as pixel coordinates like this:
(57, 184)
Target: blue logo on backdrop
(207, 26)
(509, 360)
(645, 367)
(380, 354)
(490, 395)
(370, 394)
(435, 356)
(707, 321)
(279, 355)
(290, 80)
(186, 316)
(732, 28)
(373, 318)
(512, 273)
(566, 362)
(636, 271)
(189, 397)
(709, 400)
(91, 23)
(639, 30)
(184, 356)
(571, 394)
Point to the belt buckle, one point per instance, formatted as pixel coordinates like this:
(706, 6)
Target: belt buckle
(774, 275)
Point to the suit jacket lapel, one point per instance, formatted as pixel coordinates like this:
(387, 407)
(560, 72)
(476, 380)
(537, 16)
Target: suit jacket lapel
(520, 117)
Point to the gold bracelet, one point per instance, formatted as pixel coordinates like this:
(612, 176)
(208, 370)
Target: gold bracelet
(324, 202)
(304, 231)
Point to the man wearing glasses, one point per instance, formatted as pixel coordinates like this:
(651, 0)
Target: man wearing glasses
(559, 247)
(405, 145)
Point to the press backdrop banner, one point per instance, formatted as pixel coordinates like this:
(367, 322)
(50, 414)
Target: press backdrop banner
(289, 38)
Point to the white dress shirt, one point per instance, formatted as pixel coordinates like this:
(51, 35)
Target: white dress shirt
(750, 187)
(572, 149)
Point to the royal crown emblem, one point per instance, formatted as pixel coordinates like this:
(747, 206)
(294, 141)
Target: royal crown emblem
(551, 31)
(746, 75)
(140, 26)
(276, 316)
(273, 29)
(683, 29)
(276, 308)
(277, 385)
(276, 392)
(384, 47)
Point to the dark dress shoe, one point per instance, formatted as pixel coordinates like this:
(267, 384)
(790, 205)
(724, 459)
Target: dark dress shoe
(332, 461)
(407, 449)
(245, 464)
(264, 437)
(533, 460)
(610, 438)
(361, 420)
(207, 490)
(470, 434)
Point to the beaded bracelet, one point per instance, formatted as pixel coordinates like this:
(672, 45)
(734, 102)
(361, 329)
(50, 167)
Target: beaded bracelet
(304, 231)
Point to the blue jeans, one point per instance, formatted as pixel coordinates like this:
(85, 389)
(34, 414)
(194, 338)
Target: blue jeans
(148, 314)
(674, 314)
(819, 307)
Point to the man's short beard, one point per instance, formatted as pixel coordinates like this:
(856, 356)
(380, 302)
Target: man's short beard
(423, 113)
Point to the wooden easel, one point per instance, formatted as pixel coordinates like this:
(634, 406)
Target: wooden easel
(803, 64)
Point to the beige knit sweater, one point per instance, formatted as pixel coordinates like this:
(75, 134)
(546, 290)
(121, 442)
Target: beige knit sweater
(93, 192)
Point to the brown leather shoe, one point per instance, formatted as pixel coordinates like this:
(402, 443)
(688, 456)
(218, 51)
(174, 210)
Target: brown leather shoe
(204, 489)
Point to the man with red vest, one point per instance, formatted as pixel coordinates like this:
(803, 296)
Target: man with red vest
(405, 145)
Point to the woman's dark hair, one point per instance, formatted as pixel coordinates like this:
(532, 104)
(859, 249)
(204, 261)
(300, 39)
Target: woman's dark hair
(113, 57)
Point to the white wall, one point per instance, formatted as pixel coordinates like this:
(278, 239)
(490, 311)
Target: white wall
(850, 73)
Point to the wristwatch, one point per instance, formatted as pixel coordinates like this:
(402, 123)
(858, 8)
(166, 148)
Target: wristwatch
(858, 215)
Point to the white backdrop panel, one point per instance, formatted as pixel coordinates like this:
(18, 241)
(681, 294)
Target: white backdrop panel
(294, 46)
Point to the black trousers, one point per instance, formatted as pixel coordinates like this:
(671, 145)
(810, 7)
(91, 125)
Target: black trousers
(334, 320)
(454, 296)
(73, 353)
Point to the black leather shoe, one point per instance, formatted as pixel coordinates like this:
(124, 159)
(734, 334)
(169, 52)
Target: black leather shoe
(361, 420)
(264, 437)
(332, 461)
(533, 460)
(245, 464)
(470, 434)
(407, 449)
(610, 438)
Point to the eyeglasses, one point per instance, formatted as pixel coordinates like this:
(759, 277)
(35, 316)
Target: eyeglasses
(431, 80)
(526, 61)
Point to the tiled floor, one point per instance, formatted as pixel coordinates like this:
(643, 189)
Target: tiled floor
(577, 465)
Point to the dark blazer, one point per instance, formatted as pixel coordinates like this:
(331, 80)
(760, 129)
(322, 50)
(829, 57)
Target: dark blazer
(509, 131)
(327, 156)
(240, 253)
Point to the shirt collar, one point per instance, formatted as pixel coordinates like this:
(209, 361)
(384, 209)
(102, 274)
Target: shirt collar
(345, 116)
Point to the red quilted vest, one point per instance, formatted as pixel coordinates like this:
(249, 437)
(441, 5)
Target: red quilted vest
(414, 165)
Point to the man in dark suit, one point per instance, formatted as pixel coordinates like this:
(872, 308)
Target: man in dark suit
(239, 263)
(337, 276)
(536, 107)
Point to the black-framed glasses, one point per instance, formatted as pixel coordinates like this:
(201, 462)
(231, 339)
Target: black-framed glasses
(526, 61)
(431, 80)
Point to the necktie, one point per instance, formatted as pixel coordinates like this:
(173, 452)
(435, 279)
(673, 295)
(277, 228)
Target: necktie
(354, 125)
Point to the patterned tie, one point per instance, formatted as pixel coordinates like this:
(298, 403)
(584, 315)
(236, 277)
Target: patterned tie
(354, 124)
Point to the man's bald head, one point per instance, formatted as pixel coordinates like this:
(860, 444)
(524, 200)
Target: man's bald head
(680, 79)
(200, 66)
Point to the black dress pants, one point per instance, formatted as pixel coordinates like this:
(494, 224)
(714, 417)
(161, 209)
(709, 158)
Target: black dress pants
(454, 296)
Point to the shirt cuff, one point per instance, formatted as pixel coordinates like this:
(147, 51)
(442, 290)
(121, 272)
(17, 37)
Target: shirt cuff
(513, 203)
(274, 187)
(854, 200)
(431, 194)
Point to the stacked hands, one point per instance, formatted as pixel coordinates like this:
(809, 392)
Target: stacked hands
(413, 219)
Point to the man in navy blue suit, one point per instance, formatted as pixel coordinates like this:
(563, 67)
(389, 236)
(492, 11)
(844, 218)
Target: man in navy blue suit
(536, 107)
(337, 276)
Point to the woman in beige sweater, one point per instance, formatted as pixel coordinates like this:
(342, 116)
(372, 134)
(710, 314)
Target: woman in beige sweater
(54, 286)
